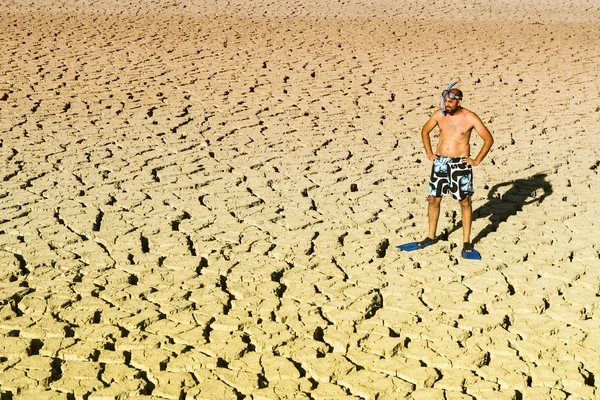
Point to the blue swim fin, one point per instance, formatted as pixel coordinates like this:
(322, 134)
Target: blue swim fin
(416, 245)
(469, 252)
(408, 246)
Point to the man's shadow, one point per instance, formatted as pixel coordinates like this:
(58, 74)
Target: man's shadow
(500, 207)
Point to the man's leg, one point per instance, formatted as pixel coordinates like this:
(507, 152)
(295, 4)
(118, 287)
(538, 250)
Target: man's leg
(433, 215)
(467, 218)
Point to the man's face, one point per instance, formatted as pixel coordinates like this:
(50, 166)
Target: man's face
(451, 102)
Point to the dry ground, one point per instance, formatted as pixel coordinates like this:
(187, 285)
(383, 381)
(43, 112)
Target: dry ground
(200, 200)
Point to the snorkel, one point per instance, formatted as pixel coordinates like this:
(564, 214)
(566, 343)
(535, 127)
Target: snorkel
(447, 90)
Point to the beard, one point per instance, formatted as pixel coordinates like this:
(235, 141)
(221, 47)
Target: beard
(450, 110)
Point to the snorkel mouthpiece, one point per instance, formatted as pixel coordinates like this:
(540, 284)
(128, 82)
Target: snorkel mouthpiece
(447, 90)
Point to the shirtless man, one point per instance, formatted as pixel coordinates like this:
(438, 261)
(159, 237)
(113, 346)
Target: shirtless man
(452, 163)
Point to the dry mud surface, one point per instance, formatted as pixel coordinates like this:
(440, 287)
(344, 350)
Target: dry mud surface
(201, 199)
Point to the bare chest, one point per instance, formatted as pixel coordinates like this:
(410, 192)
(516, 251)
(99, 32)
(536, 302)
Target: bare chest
(454, 126)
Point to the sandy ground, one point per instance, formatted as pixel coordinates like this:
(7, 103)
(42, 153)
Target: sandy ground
(201, 199)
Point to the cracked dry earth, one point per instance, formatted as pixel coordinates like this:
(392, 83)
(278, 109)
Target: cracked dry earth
(200, 200)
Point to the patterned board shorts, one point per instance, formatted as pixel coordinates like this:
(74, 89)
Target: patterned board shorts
(451, 175)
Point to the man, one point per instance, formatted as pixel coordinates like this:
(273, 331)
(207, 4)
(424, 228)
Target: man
(452, 163)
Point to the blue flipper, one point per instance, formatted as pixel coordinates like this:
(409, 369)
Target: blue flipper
(472, 254)
(408, 246)
(415, 245)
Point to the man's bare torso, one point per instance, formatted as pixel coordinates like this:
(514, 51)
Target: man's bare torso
(455, 133)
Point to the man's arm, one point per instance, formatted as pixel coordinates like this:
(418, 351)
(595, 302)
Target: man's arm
(427, 128)
(488, 141)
